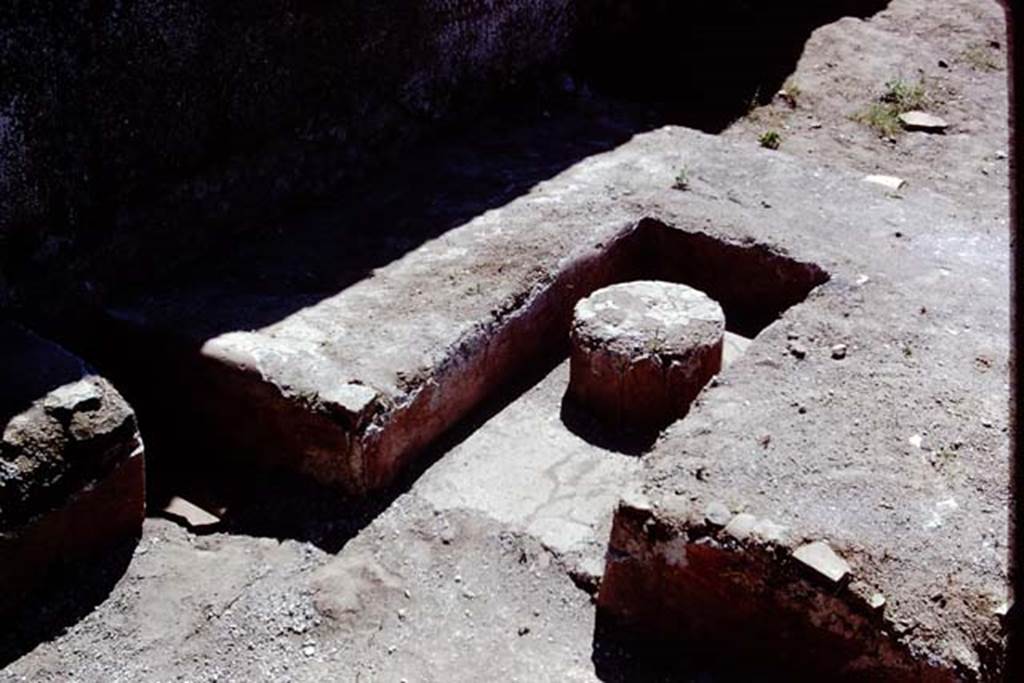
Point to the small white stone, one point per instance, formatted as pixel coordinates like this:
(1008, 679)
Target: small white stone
(890, 182)
(717, 514)
(877, 601)
(634, 500)
(741, 526)
(820, 557)
(915, 440)
(769, 532)
(919, 120)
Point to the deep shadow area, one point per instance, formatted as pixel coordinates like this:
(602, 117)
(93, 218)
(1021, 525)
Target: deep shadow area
(577, 420)
(68, 596)
(705, 63)
(620, 655)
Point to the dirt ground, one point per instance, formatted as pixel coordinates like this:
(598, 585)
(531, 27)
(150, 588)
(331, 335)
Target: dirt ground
(482, 571)
(956, 50)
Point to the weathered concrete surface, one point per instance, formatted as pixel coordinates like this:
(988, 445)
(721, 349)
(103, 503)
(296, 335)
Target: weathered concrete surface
(529, 471)
(643, 350)
(896, 453)
(71, 464)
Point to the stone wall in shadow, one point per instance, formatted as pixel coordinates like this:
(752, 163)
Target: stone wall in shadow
(136, 136)
(131, 132)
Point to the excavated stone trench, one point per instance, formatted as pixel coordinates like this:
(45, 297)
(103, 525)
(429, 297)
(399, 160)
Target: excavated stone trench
(355, 437)
(752, 534)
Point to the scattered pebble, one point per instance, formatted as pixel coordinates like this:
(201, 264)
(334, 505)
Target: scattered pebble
(890, 182)
(820, 557)
(923, 121)
(741, 526)
(839, 351)
(915, 440)
(769, 532)
(717, 514)
(797, 350)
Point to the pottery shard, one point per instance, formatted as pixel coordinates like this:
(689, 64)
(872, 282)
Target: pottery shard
(642, 351)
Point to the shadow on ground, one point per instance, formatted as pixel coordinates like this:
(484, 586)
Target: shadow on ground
(72, 593)
(619, 655)
(592, 430)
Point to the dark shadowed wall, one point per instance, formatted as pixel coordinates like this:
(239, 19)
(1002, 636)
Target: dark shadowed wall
(124, 126)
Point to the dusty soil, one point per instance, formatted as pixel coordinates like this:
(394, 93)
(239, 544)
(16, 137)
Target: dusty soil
(486, 571)
(957, 51)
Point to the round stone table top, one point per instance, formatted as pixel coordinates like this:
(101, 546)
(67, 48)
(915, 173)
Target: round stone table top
(648, 317)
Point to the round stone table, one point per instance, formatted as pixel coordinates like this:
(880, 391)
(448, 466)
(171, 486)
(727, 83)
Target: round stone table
(642, 351)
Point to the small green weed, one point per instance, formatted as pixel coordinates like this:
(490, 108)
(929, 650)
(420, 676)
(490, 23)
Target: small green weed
(898, 97)
(770, 139)
(903, 96)
(882, 118)
(982, 57)
(682, 181)
(790, 93)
